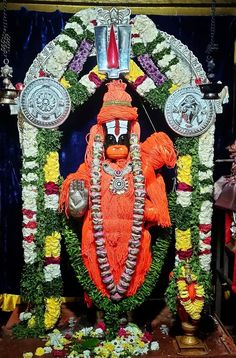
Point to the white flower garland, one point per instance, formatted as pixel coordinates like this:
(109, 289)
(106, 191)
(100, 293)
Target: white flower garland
(117, 291)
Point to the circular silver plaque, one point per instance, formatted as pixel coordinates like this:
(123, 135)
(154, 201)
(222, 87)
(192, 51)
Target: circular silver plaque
(187, 113)
(45, 103)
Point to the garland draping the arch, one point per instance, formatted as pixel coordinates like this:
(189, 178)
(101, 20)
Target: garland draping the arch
(159, 70)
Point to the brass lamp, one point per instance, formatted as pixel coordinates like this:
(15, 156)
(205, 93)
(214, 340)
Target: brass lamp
(8, 93)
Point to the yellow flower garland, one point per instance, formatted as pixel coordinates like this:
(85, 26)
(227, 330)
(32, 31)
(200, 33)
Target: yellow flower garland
(51, 168)
(184, 164)
(52, 311)
(193, 306)
(52, 246)
(183, 240)
(134, 72)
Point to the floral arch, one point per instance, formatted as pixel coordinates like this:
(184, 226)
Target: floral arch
(162, 65)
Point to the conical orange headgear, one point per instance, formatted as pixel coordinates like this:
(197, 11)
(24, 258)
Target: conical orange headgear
(117, 104)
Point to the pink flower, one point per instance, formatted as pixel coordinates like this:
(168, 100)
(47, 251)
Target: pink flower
(51, 188)
(205, 227)
(30, 225)
(29, 238)
(147, 337)
(207, 240)
(95, 79)
(122, 333)
(139, 80)
(52, 260)
(58, 353)
(28, 213)
(19, 86)
(184, 187)
(184, 254)
(101, 325)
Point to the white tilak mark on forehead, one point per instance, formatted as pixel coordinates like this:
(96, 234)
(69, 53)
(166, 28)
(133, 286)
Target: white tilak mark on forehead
(123, 128)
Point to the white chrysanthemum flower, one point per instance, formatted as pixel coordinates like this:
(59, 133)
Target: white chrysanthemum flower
(30, 177)
(87, 15)
(29, 252)
(51, 201)
(51, 271)
(47, 350)
(208, 174)
(146, 86)
(29, 150)
(90, 85)
(54, 68)
(150, 34)
(206, 189)
(143, 23)
(86, 354)
(62, 56)
(30, 164)
(90, 27)
(29, 200)
(205, 261)
(184, 198)
(206, 147)
(27, 231)
(71, 42)
(161, 46)
(204, 235)
(206, 211)
(154, 346)
(75, 26)
(136, 40)
(24, 316)
(166, 59)
(179, 74)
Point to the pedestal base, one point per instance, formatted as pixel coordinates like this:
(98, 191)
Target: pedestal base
(197, 348)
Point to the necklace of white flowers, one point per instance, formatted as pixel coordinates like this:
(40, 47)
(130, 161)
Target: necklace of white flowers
(117, 291)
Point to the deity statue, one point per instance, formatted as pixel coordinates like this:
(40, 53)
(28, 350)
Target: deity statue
(119, 195)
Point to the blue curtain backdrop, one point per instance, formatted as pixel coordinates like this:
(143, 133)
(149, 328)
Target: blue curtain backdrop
(30, 31)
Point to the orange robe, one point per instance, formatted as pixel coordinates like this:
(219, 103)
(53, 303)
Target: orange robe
(117, 214)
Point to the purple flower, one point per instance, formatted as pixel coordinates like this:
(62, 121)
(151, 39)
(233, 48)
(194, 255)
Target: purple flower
(81, 56)
(151, 69)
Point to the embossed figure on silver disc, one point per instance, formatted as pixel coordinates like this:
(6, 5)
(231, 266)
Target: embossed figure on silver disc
(187, 113)
(45, 103)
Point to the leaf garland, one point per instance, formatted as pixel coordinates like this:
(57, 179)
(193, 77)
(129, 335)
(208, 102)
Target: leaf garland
(184, 218)
(34, 290)
(113, 310)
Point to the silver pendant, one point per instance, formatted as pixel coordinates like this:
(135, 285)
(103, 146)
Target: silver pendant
(118, 185)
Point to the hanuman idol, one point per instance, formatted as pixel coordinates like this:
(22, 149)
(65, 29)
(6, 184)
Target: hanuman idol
(119, 195)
